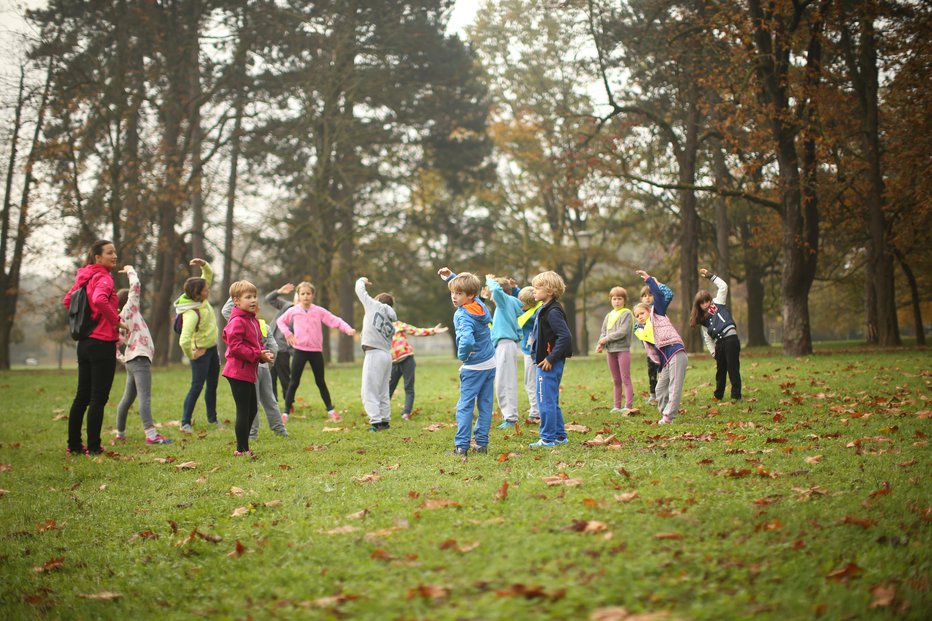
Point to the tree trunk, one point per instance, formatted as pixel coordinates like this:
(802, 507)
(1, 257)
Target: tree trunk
(862, 66)
(722, 226)
(8, 301)
(689, 220)
(754, 282)
(10, 278)
(798, 206)
(916, 299)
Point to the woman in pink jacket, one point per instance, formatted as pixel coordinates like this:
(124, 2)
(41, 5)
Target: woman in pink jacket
(96, 352)
(301, 325)
(243, 338)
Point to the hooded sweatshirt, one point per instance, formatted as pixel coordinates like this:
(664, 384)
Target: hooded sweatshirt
(378, 324)
(473, 337)
(507, 310)
(197, 334)
(101, 295)
(243, 337)
(136, 338)
(308, 334)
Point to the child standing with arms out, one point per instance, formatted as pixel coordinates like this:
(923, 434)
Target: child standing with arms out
(665, 347)
(529, 308)
(243, 338)
(378, 326)
(302, 326)
(474, 349)
(198, 341)
(720, 334)
(403, 363)
(136, 356)
(552, 345)
(615, 340)
(505, 338)
(264, 389)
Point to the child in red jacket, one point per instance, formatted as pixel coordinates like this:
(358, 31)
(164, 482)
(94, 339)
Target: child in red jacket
(243, 338)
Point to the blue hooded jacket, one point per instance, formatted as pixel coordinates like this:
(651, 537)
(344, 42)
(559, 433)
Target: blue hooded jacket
(473, 337)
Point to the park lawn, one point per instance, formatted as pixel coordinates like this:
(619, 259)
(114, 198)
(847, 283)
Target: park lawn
(809, 498)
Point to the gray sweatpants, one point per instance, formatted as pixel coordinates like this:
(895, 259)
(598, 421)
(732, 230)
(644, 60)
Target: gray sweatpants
(138, 381)
(376, 374)
(506, 379)
(670, 385)
(530, 386)
(265, 395)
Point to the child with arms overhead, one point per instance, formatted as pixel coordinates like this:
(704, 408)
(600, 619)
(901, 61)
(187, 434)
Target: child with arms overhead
(136, 356)
(474, 349)
(377, 329)
(198, 341)
(505, 338)
(720, 335)
(665, 347)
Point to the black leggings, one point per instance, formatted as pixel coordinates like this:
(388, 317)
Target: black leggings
(244, 395)
(96, 366)
(728, 360)
(299, 358)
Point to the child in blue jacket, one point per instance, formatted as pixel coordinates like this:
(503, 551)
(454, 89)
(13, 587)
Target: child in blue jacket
(474, 349)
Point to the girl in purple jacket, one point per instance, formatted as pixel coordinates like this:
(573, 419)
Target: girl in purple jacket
(243, 338)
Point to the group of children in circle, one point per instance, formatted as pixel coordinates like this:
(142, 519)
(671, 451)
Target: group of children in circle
(260, 357)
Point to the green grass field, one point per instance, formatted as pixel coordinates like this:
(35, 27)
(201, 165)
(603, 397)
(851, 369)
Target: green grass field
(811, 498)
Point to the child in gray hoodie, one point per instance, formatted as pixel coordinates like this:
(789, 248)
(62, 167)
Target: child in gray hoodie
(377, 331)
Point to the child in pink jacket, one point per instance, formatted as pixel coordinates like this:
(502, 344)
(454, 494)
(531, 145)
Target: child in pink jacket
(243, 338)
(302, 326)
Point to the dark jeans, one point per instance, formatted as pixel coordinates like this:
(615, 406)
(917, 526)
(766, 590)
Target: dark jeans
(281, 372)
(205, 369)
(728, 360)
(244, 395)
(96, 366)
(652, 368)
(404, 368)
(299, 358)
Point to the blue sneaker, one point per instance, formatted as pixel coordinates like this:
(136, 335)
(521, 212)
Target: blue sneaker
(541, 443)
(508, 424)
(563, 441)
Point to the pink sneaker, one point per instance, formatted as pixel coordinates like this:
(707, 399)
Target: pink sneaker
(117, 440)
(249, 454)
(405, 416)
(159, 439)
(666, 420)
(334, 416)
(284, 417)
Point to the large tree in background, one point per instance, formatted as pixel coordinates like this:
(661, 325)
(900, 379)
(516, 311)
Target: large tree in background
(364, 93)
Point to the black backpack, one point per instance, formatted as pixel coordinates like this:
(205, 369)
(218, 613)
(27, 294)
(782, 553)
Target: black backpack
(80, 322)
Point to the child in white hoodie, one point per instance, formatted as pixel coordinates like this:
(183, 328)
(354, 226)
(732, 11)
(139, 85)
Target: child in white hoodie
(135, 350)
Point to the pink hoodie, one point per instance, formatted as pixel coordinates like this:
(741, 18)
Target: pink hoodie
(101, 295)
(243, 338)
(307, 332)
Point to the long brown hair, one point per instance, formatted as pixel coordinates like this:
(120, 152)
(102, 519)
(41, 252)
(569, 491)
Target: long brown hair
(97, 249)
(697, 315)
